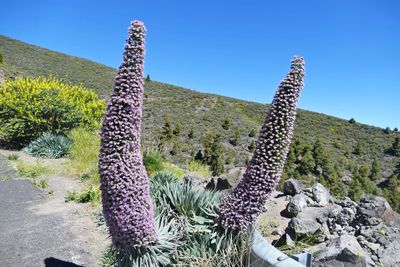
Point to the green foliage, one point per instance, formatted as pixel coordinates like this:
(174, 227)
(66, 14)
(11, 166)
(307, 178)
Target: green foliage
(215, 156)
(30, 107)
(191, 133)
(1, 59)
(177, 130)
(252, 146)
(13, 157)
(153, 161)
(175, 149)
(252, 133)
(355, 190)
(148, 79)
(395, 148)
(236, 139)
(31, 170)
(49, 146)
(40, 183)
(375, 170)
(166, 132)
(84, 154)
(187, 234)
(226, 124)
(199, 168)
(359, 149)
(174, 169)
(352, 121)
(91, 194)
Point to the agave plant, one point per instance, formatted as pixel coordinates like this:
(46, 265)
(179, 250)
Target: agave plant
(49, 146)
(243, 205)
(159, 253)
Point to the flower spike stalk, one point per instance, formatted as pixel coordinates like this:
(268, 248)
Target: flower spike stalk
(242, 206)
(127, 205)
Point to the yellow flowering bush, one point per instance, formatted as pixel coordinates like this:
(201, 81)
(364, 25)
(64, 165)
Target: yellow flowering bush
(31, 106)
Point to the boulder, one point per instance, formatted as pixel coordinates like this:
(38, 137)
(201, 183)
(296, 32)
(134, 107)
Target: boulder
(346, 202)
(374, 206)
(227, 180)
(320, 194)
(343, 251)
(292, 187)
(312, 219)
(296, 205)
(390, 256)
(193, 179)
(345, 216)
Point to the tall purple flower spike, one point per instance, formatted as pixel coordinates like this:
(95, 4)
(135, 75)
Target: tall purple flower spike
(127, 205)
(247, 200)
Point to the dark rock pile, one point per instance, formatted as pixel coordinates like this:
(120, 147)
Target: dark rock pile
(345, 233)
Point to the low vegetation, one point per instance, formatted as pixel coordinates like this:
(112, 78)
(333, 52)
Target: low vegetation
(49, 146)
(31, 107)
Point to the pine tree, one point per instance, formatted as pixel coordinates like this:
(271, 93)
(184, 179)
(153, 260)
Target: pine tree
(177, 130)
(217, 156)
(359, 149)
(207, 145)
(355, 190)
(395, 150)
(175, 149)
(375, 173)
(226, 124)
(167, 131)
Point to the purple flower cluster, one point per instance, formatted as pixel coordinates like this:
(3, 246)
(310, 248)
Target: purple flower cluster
(242, 206)
(127, 205)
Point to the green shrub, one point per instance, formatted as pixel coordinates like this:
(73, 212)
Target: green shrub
(12, 157)
(43, 184)
(199, 168)
(175, 170)
(153, 161)
(31, 170)
(30, 107)
(92, 194)
(49, 146)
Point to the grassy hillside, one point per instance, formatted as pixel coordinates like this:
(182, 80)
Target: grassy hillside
(205, 112)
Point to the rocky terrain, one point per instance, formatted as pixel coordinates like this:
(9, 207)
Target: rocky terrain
(337, 232)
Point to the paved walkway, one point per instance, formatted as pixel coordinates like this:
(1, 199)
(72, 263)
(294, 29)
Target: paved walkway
(39, 229)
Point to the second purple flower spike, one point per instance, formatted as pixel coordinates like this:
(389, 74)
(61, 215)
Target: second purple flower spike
(243, 205)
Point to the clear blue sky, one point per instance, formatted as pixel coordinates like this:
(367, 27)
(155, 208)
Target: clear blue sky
(240, 49)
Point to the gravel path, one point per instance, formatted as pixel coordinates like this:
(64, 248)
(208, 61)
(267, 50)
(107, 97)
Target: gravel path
(40, 229)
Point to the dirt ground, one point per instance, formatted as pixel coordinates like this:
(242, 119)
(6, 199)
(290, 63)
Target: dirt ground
(38, 228)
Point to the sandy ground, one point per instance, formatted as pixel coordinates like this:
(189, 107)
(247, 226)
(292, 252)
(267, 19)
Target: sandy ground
(41, 229)
(275, 205)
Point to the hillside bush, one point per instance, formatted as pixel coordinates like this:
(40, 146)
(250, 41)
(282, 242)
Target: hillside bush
(153, 161)
(49, 146)
(30, 107)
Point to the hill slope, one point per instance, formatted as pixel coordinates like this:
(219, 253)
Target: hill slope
(206, 112)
